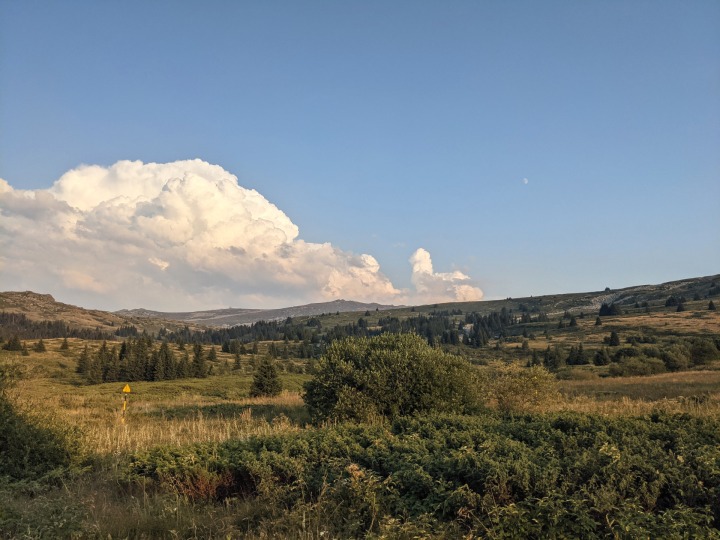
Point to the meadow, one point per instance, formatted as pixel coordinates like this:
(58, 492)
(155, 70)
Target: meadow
(576, 453)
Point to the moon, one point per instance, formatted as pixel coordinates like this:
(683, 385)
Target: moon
(525, 181)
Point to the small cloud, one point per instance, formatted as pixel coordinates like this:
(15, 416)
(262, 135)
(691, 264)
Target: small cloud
(525, 181)
(433, 287)
(162, 265)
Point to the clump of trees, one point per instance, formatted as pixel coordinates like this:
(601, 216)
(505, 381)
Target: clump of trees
(140, 360)
(390, 375)
(610, 310)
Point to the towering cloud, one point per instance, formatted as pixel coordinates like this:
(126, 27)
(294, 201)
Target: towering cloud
(439, 287)
(184, 235)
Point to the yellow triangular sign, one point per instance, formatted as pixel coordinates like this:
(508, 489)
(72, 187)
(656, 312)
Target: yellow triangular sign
(126, 389)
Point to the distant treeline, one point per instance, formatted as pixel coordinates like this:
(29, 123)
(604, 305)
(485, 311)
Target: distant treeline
(440, 327)
(18, 324)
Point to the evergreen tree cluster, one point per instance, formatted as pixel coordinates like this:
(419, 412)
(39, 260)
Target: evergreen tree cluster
(140, 360)
(610, 310)
(577, 356)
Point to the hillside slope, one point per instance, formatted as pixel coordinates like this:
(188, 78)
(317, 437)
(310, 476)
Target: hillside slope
(233, 316)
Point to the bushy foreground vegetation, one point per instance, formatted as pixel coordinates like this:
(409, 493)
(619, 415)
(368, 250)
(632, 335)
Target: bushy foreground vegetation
(530, 476)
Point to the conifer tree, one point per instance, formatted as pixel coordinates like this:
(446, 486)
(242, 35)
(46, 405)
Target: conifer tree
(40, 346)
(711, 306)
(24, 350)
(198, 364)
(237, 365)
(83, 361)
(112, 366)
(184, 369)
(602, 357)
(266, 381)
(64, 346)
(94, 373)
(535, 361)
(614, 339)
(13, 344)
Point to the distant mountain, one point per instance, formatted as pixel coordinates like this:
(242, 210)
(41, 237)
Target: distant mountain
(233, 316)
(39, 307)
(43, 307)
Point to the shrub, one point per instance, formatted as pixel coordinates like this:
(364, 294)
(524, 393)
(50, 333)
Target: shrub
(563, 475)
(703, 351)
(637, 365)
(389, 375)
(521, 389)
(676, 357)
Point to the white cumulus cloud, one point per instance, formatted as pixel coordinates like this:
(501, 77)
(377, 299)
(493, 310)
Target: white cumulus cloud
(184, 235)
(432, 287)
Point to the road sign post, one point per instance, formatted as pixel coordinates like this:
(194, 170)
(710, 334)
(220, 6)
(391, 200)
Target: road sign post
(126, 390)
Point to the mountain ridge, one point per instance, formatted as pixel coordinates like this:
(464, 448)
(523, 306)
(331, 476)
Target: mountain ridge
(235, 316)
(39, 306)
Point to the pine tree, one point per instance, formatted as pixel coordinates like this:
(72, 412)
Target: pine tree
(237, 365)
(212, 354)
(184, 369)
(680, 307)
(112, 366)
(614, 339)
(13, 344)
(40, 346)
(24, 350)
(581, 356)
(602, 357)
(598, 321)
(198, 364)
(64, 346)
(266, 381)
(535, 361)
(711, 306)
(83, 361)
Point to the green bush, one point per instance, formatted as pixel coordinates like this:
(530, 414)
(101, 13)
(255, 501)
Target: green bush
(514, 388)
(557, 476)
(637, 365)
(388, 376)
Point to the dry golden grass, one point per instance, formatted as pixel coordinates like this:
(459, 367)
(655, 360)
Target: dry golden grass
(138, 431)
(692, 392)
(105, 431)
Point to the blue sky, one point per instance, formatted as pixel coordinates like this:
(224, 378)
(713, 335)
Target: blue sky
(384, 127)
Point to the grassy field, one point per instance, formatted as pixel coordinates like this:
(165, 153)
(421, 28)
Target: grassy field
(95, 499)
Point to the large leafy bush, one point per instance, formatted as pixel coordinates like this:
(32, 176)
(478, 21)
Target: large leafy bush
(389, 375)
